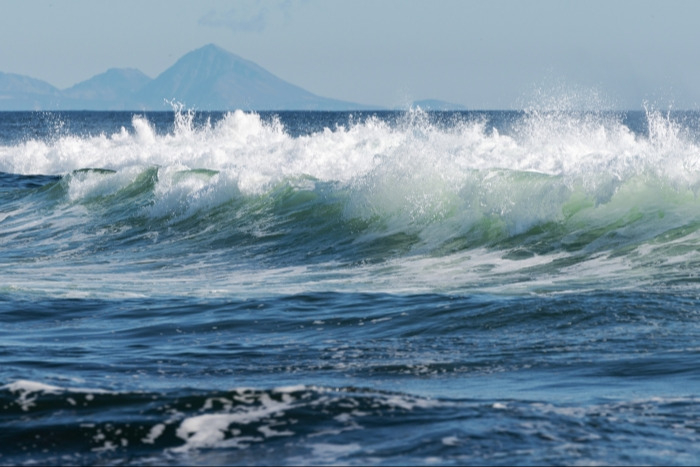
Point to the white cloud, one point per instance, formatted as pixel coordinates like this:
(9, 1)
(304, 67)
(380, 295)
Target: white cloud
(247, 15)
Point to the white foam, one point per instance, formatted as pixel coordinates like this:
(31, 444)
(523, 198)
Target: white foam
(211, 430)
(557, 143)
(291, 389)
(450, 441)
(27, 386)
(30, 390)
(154, 433)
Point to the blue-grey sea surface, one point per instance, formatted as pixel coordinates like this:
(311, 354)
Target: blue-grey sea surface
(386, 288)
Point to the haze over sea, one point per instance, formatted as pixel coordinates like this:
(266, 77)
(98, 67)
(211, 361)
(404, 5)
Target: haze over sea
(349, 288)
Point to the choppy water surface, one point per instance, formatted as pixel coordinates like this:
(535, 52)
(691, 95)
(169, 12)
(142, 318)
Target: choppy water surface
(337, 288)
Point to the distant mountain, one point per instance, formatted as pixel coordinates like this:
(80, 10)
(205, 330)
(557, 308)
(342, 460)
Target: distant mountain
(209, 78)
(113, 89)
(19, 92)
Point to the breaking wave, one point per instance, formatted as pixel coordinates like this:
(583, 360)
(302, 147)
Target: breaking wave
(542, 194)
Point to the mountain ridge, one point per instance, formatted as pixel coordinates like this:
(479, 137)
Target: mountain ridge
(113, 88)
(211, 77)
(19, 92)
(207, 78)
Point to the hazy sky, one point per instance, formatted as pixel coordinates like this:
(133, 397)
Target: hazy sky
(482, 54)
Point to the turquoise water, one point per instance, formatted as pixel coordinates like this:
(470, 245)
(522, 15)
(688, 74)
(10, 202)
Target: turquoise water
(353, 288)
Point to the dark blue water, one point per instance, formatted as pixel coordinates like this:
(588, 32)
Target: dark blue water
(335, 288)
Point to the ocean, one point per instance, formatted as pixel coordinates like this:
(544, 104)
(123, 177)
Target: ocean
(492, 288)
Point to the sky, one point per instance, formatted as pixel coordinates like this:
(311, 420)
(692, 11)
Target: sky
(491, 54)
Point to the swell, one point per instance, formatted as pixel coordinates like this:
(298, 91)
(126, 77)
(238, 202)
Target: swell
(291, 425)
(540, 194)
(523, 213)
(339, 338)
